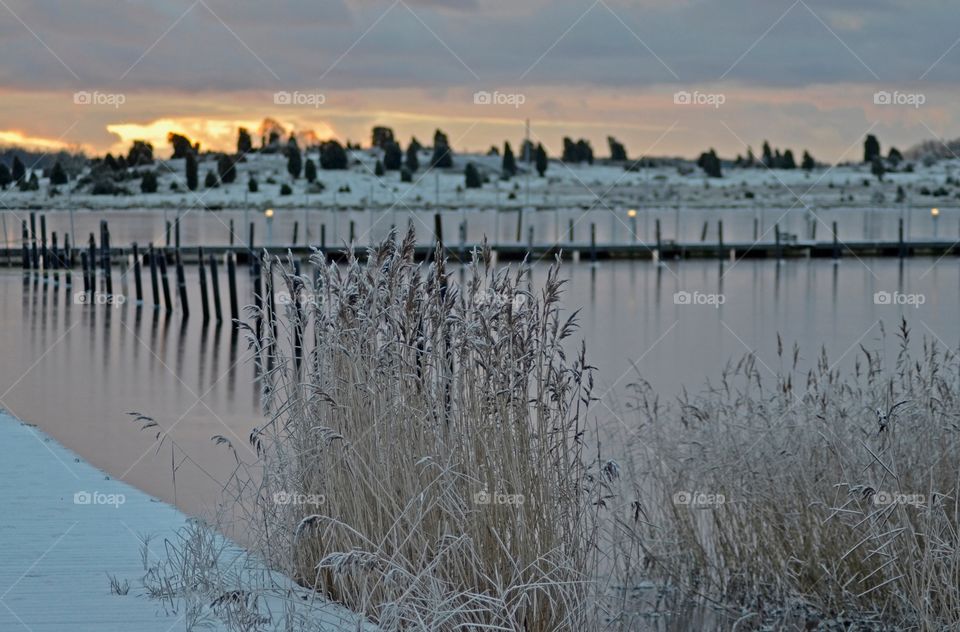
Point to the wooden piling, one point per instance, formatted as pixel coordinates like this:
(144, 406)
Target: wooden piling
(232, 286)
(44, 252)
(720, 239)
(182, 285)
(296, 229)
(231, 232)
(153, 277)
(86, 272)
(438, 232)
(703, 233)
(202, 273)
(901, 247)
(593, 243)
(215, 286)
(836, 243)
(34, 254)
(166, 282)
(138, 282)
(353, 232)
(756, 229)
(168, 229)
(779, 249)
(24, 247)
(92, 263)
(105, 250)
(570, 230)
(323, 237)
(659, 239)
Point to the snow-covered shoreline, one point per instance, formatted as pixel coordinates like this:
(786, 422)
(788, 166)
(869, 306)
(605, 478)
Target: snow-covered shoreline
(67, 530)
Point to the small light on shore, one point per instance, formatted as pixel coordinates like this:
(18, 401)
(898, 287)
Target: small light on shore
(935, 212)
(268, 213)
(632, 212)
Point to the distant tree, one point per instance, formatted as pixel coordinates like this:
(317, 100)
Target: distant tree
(750, 160)
(252, 185)
(244, 142)
(542, 162)
(285, 189)
(877, 168)
(569, 150)
(442, 153)
(108, 161)
(577, 152)
(310, 171)
(871, 148)
(808, 164)
(191, 169)
(894, 157)
(617, 151)
(226, 169)
(767, 158)
(788, 160)
(211, 181)
(30, 184)
(294, 159)
(412, 162)
(19, 170)
(472, 177)
(777, 159)
(509, 166)
(392, 156)
(493, 151)
(148, 183)
(141, 153)
(585, 151)
(332, 155)
(181, 145)
(381, 137)
(710, 164)
(415, 144)
(5, 177)
(57, 177)
(378, 169)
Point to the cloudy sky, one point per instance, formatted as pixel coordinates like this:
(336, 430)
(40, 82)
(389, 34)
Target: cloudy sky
(96, 74)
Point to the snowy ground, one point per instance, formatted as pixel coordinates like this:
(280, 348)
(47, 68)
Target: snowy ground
(565, 186)
(67, 529)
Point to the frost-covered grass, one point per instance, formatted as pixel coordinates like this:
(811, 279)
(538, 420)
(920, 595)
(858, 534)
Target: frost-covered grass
(834, 491)
(424, 460)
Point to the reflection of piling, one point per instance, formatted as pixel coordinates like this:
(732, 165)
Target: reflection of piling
(105, 255)
(24, 248)
(166, 283)
(67, 261)
(232, 286)
(182, 285)
(153, 278)
(86, 272)
(202, 273)
(138, 282)
(215, 286)
(168, 228)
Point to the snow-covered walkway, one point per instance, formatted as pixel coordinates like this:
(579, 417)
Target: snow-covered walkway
(66, 529)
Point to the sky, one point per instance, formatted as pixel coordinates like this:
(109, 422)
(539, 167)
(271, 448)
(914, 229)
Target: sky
(665, 77)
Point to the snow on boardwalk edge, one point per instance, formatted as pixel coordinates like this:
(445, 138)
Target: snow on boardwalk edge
(66, 529)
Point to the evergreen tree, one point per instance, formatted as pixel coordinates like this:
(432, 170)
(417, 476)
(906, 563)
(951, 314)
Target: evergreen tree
(227, 169)
(808, 164)
(294, 159)
(584, 151)
(442, 153)
(285, 189)
(541, 160)
(191, 169)
(148, 183)
(710, 164)
(788, 160)
(211, 181)
(332, 155)
(181, 145)
(871, 148)
(877, 168)
(750, 160)
(894, 156)
(509, 166)
(617, 151)
(392, 156)
(252, 185)
(244, 142)
(141, 153)
(527, 151)
(381, 137)
(5, 177)
(472, 177)
(19, 170)
(767, 156)
(412, 162)
(57, 177)
(30, 184)
(378, 169)
(310, 171)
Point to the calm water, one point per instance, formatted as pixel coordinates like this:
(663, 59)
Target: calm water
(76, 370)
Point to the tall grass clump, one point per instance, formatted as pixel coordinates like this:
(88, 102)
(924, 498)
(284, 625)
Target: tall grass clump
(831, 491)
(423, 460)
